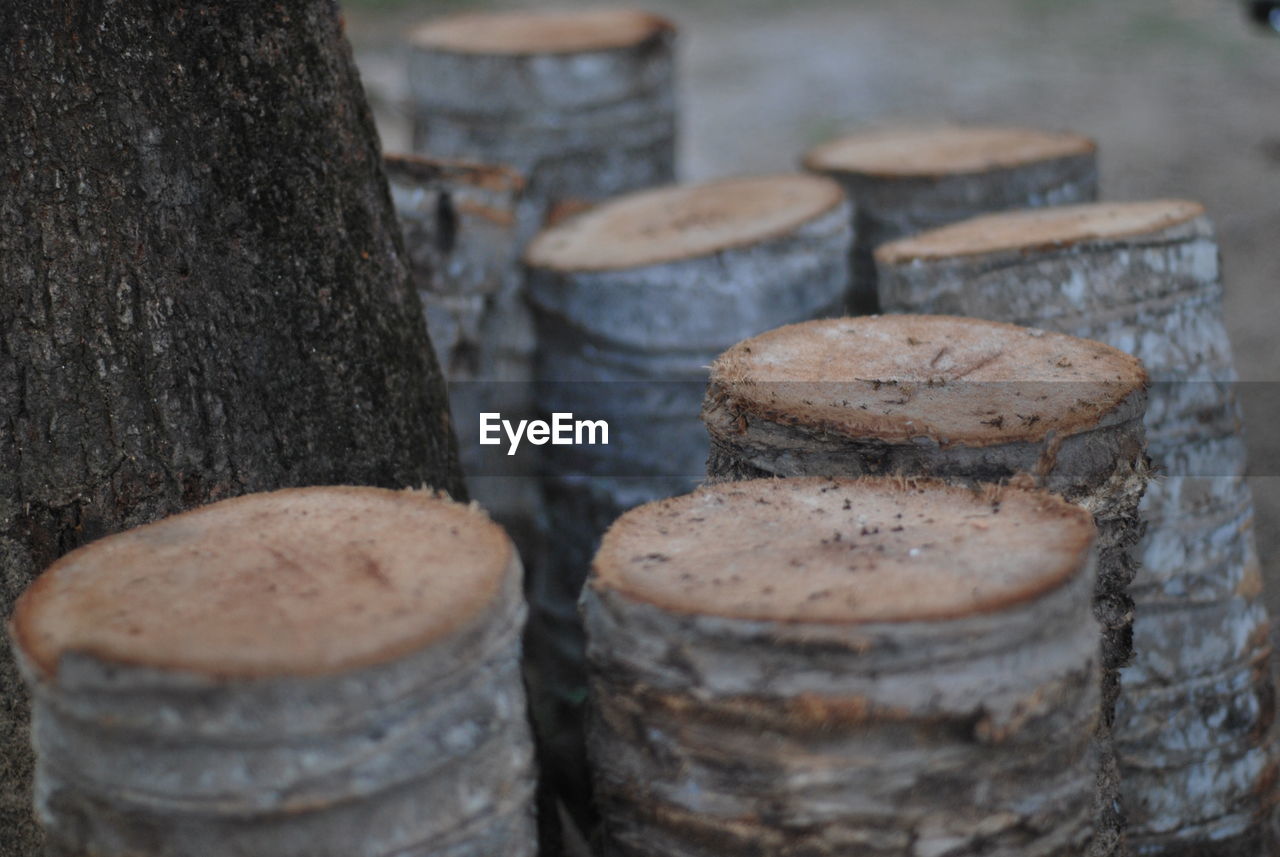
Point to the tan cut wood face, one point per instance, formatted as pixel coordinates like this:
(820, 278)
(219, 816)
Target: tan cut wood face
(844, 551)
(295, 582)
(1042, 228)
(898, 377)
(942, 150)
(683, 222)
(540, 32)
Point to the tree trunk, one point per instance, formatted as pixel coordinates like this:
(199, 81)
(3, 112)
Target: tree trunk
(958, 399)
(582, 103)
(204, 291)
(189, 697)
(1195, 718)
(877, 667)
(909, 179)
(632, 301)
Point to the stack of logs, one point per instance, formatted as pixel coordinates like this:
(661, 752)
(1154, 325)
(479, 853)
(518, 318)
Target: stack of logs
(1145, 286)
(518, 119)
(578, 107)
(887, 652)
(960, 399)
(324, 672)
(879, 667)
(1194, 724)
(633, 299)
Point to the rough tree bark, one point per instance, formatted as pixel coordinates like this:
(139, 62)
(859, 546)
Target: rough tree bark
(203, 290)
(1195, 724)
(815, 667)
(632, 301)
(582, 103)
(960, 399)
(316, 672)
(904, 180)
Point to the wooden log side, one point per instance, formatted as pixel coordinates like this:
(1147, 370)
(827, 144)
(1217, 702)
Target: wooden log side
(582, 103)
(1144, 277)
(631, 309)
(682, 268)
(465, 225)
(322, 671)
(959, 399)
(632, 300)
(910, 179)
(827, 666)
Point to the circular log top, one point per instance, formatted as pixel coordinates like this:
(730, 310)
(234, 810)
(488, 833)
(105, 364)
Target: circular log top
(305, 581)
(844, 551)
(899, 377)
(540, 32)
(1041, 229)
(930, 151)
(683, 222)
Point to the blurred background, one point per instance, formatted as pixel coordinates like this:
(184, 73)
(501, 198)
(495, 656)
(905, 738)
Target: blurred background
(1183, 97)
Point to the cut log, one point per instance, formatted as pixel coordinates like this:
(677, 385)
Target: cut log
(826, 666)
(321, 671)
(1144, 277)
(580, 102)
(959, 399)
(464, 232)
(632, 301)
(907, 179)
(684, 267)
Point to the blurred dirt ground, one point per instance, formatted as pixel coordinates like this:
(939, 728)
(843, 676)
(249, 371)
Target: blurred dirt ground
(1182, 96)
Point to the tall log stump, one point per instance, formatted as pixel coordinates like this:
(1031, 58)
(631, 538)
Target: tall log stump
(324, 672)
(960, 399)
(907, 179)
(582, 103)
(1194, 727)
(817, 666)
(464, 233)
(633, 300)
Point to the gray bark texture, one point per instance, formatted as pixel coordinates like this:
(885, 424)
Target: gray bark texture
(203, 290)
(713, 735)
(1101, 466)
(581, 125)
(464, 228)
(889, 207)
(419, 755)
(631, 346)
(1194, 722)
